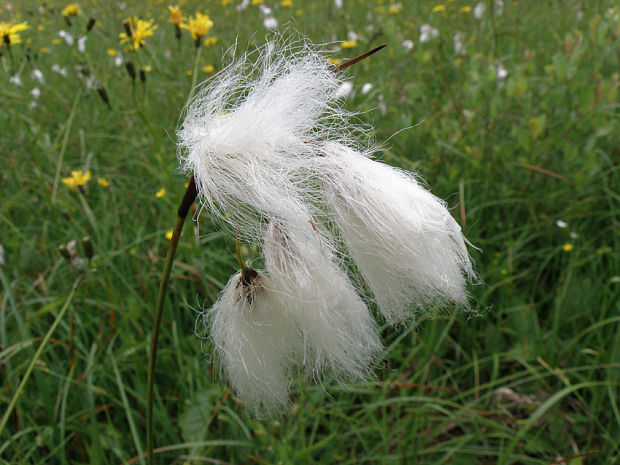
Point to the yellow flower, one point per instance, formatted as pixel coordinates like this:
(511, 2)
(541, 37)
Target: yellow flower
(334, 60)
(210, 41)
(465, 9)
(348, 43)
(44, 50)
(169, 234)
(139, 29)
(257, 2)
(56, 41)
(395, 8)
(567, 247)
(9, 32)
(208, 69)
(111, 52)
(439, 9)
(40, 28)
(286, 3)
(198, 26)
(72, 9)
(175, 15)
(189, 72)
(160, 193)
(103, 182)
(78, 178)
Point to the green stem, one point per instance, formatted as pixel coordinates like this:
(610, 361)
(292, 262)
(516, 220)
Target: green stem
(65, 140)
(194, 75)
(188, 199)
(38, 353)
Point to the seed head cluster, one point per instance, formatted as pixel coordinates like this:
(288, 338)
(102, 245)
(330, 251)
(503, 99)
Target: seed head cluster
(276, 157)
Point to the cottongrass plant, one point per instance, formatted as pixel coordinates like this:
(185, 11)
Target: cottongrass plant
(275, 156)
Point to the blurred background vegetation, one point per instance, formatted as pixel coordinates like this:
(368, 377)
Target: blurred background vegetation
(512, 113)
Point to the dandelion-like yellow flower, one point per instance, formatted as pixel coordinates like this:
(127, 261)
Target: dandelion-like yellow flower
(567, 247)
(286, 3)
(160, 193)
(210, 41)
(111, 52)
(9, 32)
(103, 182)
(72, 9)
(348, 43)
(198, 26)
(257, 2)
(175, 15)
(439, 9)
(78, 178)
(208, 69)
(465, 9)
(169, 234)
(140, 30)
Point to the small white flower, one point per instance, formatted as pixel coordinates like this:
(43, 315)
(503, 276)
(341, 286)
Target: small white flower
(37, 75)
(270, 22)
(501, 73)
(57, 69)
(243, 5)
(381, 105)
(81, 44)
(32, 105)
(16, 80)
(122, 5)
(351, 35)
(264, 9)
(479, 10)
(427, 33)
(35, 92)
(407, 44)
(345, 90)
(68, 38)
(561, 224)
(367, 87)
(338, 4)
(499, 7)
(459, 48)
(118, 59)
(573, 235)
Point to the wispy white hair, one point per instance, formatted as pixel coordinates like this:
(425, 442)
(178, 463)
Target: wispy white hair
(253, 125)
(338, 332)
(408, 248)
(275, 155)
(256, 342)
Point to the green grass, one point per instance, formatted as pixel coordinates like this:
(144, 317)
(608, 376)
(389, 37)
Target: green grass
(533, 378)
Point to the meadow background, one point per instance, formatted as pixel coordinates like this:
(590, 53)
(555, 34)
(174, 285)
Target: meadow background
(516, 125)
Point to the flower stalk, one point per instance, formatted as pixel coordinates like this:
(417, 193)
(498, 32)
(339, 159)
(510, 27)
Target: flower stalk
(188, 199)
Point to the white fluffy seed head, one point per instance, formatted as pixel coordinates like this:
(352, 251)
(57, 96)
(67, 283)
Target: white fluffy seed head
(256, 342)
(408, 248)
(253, 125)
(338, 332)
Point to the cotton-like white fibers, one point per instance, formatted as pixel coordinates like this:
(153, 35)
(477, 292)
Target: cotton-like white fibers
(275, 156)
(408, 248)
(251, 127)
(338, 332)
(256, 342)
